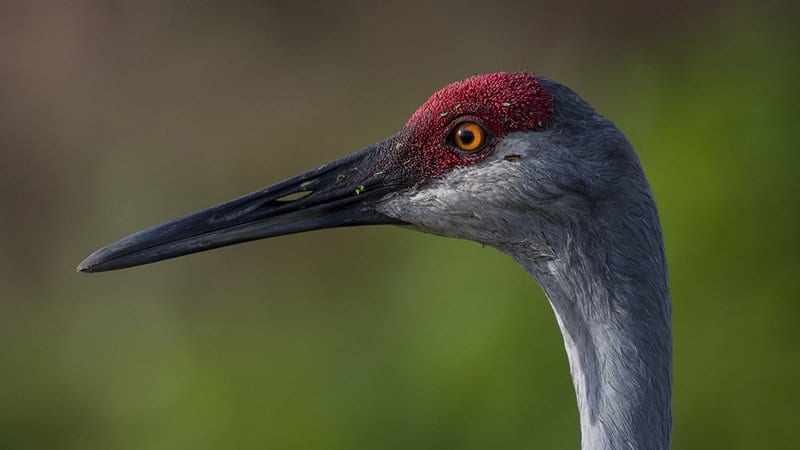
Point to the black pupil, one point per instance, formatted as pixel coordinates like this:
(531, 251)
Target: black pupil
(466, 136)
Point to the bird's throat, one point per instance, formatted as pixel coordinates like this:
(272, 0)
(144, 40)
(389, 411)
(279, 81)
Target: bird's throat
(614, 316)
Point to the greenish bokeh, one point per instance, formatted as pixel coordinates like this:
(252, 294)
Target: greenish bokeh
(118, 115)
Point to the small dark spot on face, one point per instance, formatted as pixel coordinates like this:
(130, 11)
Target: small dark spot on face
(512, 158)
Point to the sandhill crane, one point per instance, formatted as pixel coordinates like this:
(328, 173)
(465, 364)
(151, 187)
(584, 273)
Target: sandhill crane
(520, 163)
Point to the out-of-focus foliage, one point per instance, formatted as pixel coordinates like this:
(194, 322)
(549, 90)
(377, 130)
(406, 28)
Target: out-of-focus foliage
(118, 115)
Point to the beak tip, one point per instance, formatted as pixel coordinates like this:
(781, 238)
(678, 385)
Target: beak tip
(84, 267)
(92, 263)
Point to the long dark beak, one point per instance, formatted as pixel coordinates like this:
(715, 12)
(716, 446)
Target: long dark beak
(342, 193)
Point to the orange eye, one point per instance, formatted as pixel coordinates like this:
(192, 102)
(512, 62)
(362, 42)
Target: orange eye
(469, 136)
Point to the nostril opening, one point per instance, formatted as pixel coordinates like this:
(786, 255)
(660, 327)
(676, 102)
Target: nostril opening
(294, 196)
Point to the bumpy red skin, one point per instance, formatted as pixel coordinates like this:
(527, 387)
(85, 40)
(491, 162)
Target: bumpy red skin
(502, 102)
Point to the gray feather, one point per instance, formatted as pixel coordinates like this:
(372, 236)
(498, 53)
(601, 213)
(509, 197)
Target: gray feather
(571, 205)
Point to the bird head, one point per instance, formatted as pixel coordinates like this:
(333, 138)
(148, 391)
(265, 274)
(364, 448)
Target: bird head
(491, 159)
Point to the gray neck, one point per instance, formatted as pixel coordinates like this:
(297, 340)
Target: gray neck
(614, 313)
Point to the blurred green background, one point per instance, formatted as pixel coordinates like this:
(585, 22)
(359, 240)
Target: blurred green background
(118, 115)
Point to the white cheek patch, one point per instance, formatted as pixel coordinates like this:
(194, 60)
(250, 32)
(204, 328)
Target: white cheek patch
(468, 196)
(459, 203)
(465, 184)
